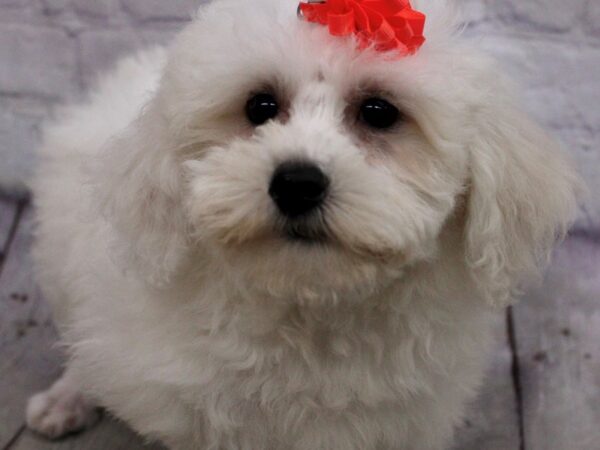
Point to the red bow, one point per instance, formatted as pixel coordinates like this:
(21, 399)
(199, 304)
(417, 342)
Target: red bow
(385, 24)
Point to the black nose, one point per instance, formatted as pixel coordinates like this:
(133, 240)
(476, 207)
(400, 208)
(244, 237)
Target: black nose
(298, 187)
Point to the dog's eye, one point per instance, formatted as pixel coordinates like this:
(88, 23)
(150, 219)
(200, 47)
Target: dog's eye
(379, 113)
(261, 108)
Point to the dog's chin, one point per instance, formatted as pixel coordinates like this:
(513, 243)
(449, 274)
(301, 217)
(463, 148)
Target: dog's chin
(306, 263)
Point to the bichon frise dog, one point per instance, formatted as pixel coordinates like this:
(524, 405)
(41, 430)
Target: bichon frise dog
(283, 234)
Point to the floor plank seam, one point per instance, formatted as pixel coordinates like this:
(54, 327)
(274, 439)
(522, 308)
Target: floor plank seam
(15, 438)
(516, 375)
(21, 206)
(592, 235)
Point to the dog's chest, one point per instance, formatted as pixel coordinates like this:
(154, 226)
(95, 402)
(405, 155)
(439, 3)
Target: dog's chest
(299, 379)
(346, 375)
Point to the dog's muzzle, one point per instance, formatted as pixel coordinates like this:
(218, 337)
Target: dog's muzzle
(298, 188)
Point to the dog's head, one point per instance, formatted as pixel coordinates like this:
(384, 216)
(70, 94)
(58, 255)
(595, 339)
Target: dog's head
(309, 168)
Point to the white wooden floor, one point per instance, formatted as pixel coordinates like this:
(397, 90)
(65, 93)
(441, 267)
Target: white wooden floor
(542, 391)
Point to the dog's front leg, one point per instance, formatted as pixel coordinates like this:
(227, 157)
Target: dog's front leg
(62, 409)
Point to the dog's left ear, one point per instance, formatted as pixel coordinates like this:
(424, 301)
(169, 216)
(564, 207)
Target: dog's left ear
(139, 184)
(522, 194)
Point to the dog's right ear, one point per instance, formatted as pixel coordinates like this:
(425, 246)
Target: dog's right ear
(522, 197)
(139, 185)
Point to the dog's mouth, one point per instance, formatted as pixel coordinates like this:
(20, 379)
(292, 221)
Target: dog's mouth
(305, 235)
(311, 231)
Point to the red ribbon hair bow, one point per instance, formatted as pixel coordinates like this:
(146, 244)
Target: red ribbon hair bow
(385, 24)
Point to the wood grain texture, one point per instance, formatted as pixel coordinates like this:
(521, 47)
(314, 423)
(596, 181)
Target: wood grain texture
(29, 362)
(492, 422)
(558, 334)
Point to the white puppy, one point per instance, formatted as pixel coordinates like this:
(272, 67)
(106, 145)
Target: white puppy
(268, 238)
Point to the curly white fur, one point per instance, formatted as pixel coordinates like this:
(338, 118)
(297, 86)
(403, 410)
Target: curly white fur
(187, 315)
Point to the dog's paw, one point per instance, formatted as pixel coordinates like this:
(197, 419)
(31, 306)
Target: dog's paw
(60, 411)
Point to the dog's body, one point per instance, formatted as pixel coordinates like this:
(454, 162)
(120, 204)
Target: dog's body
(189, 313)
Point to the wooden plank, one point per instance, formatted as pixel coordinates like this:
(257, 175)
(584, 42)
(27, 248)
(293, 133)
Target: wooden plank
(30, 361)
(492, 422)
(558, 335)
